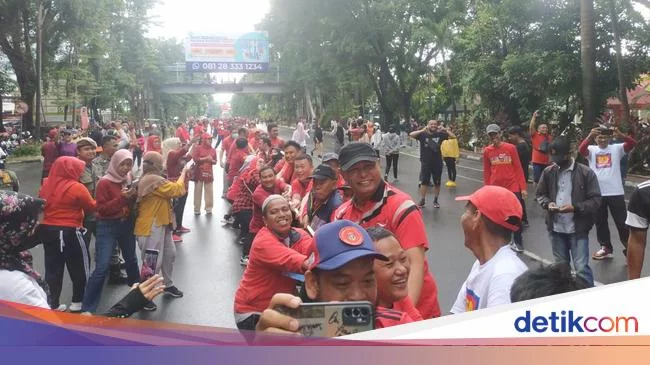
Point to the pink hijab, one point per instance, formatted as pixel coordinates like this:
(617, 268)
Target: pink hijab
(112, 172)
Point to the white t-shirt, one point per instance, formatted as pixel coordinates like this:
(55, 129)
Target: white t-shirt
(18, 287)
(488, 285)
(606, 163)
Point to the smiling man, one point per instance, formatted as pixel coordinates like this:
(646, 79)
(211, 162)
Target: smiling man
(375, 202)
(324, 198)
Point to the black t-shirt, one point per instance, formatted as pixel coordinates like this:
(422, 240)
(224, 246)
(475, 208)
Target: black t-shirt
(340, 134)
(318, 134)
(638, 211)
(523, 149)
(430, 146)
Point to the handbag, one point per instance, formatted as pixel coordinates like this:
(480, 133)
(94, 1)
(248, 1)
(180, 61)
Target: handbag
(544, 146)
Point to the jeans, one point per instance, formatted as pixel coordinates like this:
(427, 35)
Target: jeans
(538, 168)
(574, 247)
(617, 207)
(516, 236)
(244, 218)
(110, 231)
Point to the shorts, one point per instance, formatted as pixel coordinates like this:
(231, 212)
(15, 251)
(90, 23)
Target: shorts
(431, 171)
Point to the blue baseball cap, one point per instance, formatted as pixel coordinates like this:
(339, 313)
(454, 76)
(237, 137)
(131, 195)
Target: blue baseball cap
(340, 242)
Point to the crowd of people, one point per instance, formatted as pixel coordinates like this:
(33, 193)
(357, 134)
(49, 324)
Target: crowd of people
(330, 224)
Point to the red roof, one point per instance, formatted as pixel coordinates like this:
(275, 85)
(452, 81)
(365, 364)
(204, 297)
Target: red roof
(639, 97)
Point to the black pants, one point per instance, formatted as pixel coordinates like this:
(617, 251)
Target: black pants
(391, 160)
(249, 323)
(179, 209)
(516, 236)
(65, 247)
(219, 139)
(244, 218)
(616, 205)
(137, 157)
(451, 168)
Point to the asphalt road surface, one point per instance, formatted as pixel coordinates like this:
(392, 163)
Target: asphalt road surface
(207, 262)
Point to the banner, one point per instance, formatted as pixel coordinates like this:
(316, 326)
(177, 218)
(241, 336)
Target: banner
(244, 53)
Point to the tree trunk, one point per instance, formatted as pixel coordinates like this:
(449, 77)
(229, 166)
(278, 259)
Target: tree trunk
(620, 68)
(310, 106)
(587, 60)
(450, 86)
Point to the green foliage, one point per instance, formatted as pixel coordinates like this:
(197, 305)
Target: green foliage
(27, 149)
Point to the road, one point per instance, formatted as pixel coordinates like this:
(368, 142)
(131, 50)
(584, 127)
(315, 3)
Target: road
(207, 264)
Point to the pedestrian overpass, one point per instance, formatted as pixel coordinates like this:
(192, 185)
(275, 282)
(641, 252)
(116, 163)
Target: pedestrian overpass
(180, 81)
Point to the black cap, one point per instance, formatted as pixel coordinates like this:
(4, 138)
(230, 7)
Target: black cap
(355, 152)
(324, 172)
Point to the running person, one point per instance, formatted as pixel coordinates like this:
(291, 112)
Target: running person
(431, 138)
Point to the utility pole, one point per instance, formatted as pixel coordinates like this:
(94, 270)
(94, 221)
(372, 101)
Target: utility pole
(39, 70)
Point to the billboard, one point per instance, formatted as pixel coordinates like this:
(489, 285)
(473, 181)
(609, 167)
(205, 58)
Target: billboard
(244, 52)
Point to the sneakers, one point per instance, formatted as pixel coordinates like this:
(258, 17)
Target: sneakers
(176, 238)
(208, 212)
(61, 308)
(516, 247)
(182, 229)
(421, 203)
(174, 292)
(197, 213)
(525, 224)
(450, 184)
(603, 253)
(243, 261)
(435, 204)
(75, 307)
(150, 307)
(227, 220)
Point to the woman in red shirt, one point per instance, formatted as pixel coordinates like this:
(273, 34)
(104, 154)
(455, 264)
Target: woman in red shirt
(66, 201)
(114, 225)
(153, 143)
(205, 157)
(278, 249)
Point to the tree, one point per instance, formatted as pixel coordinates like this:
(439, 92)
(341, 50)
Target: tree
(588, 60)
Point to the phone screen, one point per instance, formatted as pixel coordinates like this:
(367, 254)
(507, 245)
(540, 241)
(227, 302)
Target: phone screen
(149, 262)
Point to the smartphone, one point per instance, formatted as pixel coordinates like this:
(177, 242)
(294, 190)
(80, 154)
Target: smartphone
(149, 262)
(332, 319)
(606, 132)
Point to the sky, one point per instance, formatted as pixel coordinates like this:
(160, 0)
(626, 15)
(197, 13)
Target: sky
(177, 18)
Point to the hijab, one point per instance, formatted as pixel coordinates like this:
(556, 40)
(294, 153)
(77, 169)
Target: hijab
(65, 172)
(19, 215)
(112, 173)
(152, 169)
(170, 144)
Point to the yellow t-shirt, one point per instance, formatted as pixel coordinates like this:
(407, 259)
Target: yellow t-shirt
(157, 208)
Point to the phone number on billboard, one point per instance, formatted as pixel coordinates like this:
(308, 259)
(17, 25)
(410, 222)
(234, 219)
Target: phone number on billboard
(226, 67)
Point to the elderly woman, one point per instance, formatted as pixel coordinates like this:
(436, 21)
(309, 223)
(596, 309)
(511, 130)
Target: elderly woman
(66, 202)
(114, 225)
(155, 218)
(278, 249)
(20, 283)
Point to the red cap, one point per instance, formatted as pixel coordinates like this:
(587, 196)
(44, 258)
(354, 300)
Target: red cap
(497, 204)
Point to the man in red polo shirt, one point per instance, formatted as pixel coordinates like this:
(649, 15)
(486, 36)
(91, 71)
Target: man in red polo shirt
(285, 168)
(303, 167)
(274, 131)
(541, 140)
(375, 202)
(501, 167)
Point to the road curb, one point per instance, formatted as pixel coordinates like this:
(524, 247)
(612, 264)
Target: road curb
(26, 159)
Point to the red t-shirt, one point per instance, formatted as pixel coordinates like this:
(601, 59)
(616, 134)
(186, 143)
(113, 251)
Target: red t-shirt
(268, 262)
(259, 195)
(302, 188)
(501, 167)
(401, 216)
(68, 211)
(110, 202)
(198, 130)
(538, 156)
(182, 134)
(235, 162)
(277, 142)
(388, 317)
(50, 152)
(406, 305)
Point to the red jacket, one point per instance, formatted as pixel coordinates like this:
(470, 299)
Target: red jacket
(501, 167)
(269, 260)
(69, 212)
(110, 202)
